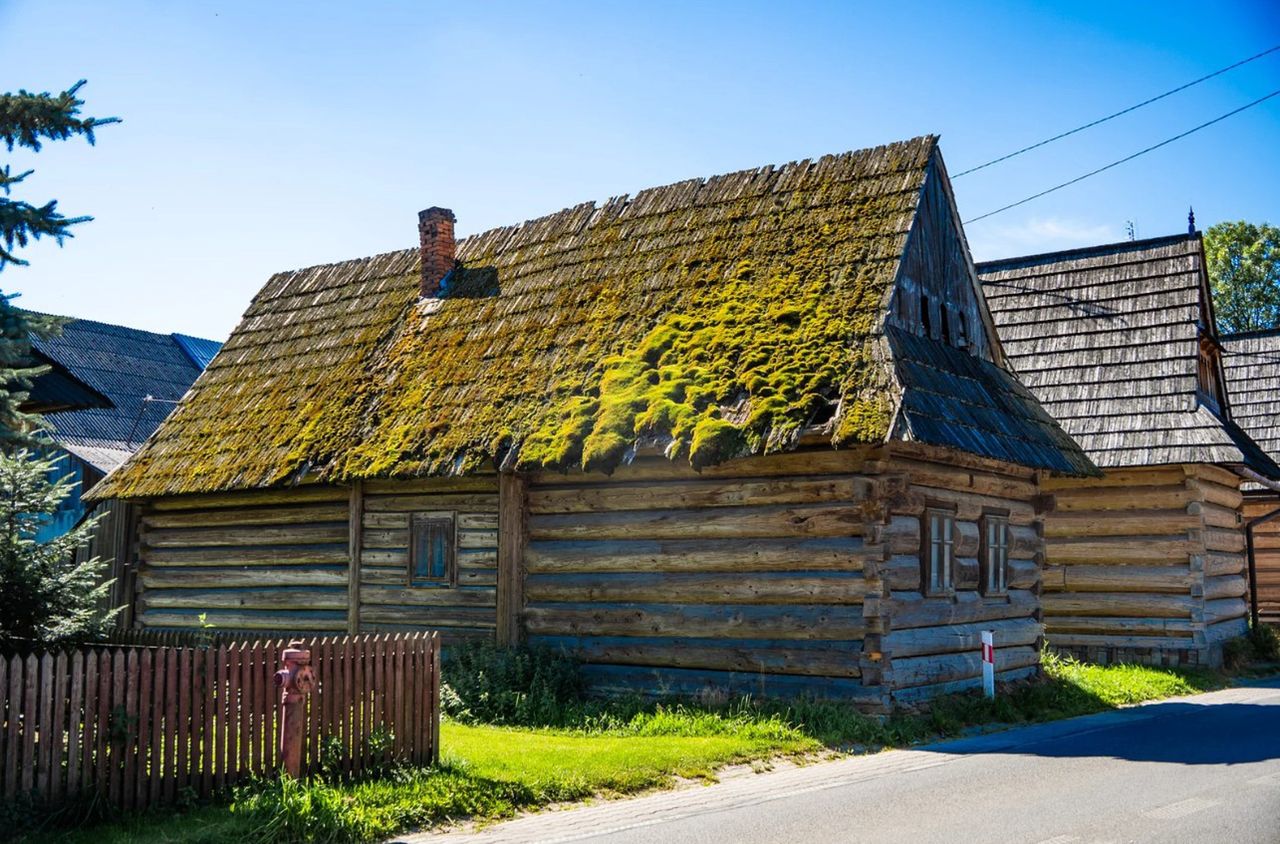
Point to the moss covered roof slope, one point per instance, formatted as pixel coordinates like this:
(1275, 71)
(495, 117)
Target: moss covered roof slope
(712, 318)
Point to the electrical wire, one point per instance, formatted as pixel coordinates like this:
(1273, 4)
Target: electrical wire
(1118, 113)
(1117, 163)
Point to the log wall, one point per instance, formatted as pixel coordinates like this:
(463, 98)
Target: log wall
(385, 599)
(1146, 565)
(748, 577)
(1266, 554)
(270, 561)
(930, 645)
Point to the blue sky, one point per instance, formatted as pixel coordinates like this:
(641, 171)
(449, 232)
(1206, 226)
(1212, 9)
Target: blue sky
(267, 136)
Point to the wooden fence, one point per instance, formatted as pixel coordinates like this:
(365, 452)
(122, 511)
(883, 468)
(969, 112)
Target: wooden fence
(140, 725)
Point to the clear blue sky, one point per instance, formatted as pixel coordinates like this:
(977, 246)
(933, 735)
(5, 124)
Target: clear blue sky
(263, 136)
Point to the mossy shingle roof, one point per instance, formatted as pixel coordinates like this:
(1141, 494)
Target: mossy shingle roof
(712, 317)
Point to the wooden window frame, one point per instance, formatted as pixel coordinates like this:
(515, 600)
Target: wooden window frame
(946, 546)
(986, 522)
(424, 521)
(1209, 374)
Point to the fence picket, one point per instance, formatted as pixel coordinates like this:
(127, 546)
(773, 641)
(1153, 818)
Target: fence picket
(58, 726)
(177, 692)
(75, 728)
(13, 740)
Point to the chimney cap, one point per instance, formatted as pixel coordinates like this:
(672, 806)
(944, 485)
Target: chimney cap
(435, 212)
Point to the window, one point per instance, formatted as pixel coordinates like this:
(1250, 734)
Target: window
(946, 324)
(1210, 383)
(939, 551)
(926, 319)
(995, 554)
(431, 550)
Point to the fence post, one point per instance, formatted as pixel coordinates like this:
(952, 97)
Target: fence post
(296, 680)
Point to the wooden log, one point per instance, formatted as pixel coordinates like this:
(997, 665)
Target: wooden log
(631, 680)
(229, 620)
(464, 502)
(828, 659)
(512, 529)
(1223, 541)
(386, 521)
(1119, 523)
(811, 520)
(1216, 611)
(261, 599)
(794, 463)
(1160, 643)
(967, 575)
(1215, 515)
(968, 506)
(312, 534)
(1220, 564)
(302, 515)
(1232, 586)
(1082, 578)
(962, 478)
(921, 641)
(909, 610)
(1113, 604)
(830, 554)
(967, 539)
(210, 578)
(1119, 551)
(255, 498)
(223, 557)
(696, 495)
(1145, 476)
(901, 572)
(428, 597)
(433, 486)
(355, 542)
(481, 617)
(1223, 496)
(753, 622)
(902, 534)
(1123, 498)
(700, 588)
(947, 668)
(1024, 574)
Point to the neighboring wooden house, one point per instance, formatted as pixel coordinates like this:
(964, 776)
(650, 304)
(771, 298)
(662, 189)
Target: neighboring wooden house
(1252, 363)
(107, 389)
(1146, 563)
(750, 432)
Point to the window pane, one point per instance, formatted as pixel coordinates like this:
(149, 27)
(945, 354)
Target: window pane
(431, 545)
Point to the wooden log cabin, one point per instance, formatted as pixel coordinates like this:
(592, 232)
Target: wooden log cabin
(752, 433)
(1146, 563)
(1252, 363)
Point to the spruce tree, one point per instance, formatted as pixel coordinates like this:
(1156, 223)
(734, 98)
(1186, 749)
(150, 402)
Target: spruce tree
(45, 596)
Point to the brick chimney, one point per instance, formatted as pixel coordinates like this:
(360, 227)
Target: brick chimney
(435, 246)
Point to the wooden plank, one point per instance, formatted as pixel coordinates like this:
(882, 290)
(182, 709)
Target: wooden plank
(207, 743)
(1089, 523)
(360, 701)
(285, 598)
(810, 520)
(432, 486)
(1130, 550)
(242, 699)
(58, 725)
(227, 619)
(145, 712)
(44, 729)
(222, 712)
(613, 496)
(440, 617)
(754, 555)
(13, 738)
(222, 557)
(947, 668)
(1123, 498)
(688, 588)
(513, 507)
(1111, 640)
(765, 656)
(349, 704)
(756, 622)
(131, 727)
(75, 719)
(419, 596)
(434, 700)
(801, 462)
(473, 502)
(1143, 476)
(30, 702)
(177, 716)
(111, 666)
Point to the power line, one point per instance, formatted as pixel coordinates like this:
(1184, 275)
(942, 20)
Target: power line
(1218, 119)
(1118, 113)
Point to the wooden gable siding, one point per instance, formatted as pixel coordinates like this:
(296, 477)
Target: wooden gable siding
(386, 600)
(1146, 565)
(931, 645)
(1266, 554)
(747, 577)
(274, 560)
(936, 263)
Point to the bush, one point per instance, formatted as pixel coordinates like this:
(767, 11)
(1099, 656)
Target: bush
(291, 811)
(534, 687)
(1260, 644)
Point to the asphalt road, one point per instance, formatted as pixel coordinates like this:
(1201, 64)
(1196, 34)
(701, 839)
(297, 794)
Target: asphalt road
(1199, 769)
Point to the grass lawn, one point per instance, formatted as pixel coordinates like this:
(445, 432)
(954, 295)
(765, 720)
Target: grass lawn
(492, 772)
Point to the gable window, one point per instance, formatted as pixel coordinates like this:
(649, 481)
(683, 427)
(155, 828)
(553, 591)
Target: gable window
(1209, 372)
(431, 549)
(938, 557)
(994, 554)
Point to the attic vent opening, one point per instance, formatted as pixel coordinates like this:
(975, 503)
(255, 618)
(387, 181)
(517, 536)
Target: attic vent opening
(926, 322)
(436, 247)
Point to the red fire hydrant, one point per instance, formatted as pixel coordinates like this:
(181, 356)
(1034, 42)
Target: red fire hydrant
(296, 680)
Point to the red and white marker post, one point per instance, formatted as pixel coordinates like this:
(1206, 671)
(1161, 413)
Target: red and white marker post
(989, 663)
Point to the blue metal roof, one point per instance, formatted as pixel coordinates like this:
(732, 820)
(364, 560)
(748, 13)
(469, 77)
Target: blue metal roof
(142, 373)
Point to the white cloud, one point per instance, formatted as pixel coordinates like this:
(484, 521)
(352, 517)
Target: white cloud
(1037, 234)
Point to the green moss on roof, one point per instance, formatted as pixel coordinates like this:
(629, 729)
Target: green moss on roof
(714, 317)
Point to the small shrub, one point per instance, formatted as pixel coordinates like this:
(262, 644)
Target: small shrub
(1260, 644)
(291, 811)
(510, 686)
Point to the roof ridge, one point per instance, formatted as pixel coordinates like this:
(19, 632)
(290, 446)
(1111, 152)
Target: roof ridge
(1079, 251)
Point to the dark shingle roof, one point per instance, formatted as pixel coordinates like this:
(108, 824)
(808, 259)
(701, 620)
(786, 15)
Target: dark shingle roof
(1252, 363)
(713, 317)
(125, 365)
(1107, 338)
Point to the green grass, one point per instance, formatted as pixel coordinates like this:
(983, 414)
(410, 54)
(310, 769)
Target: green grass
(491, 772)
